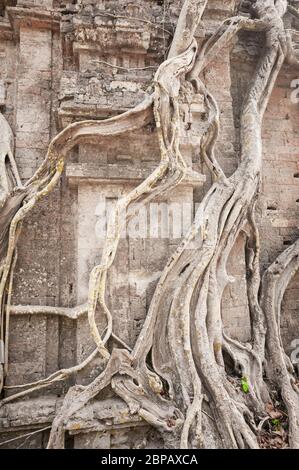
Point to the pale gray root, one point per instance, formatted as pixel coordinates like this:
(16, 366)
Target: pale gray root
(292, 57)
(72, 313)
(187, 357)
(293, 11)
(183, 331)
(155, 410)
(219, 219)
(279, 368)
(169, 173)
(189, 19)
(11, 196)
(17, 202)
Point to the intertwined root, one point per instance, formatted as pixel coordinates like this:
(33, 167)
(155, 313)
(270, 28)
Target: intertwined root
(183, 332)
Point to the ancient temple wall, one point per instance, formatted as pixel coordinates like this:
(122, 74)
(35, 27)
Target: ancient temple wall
(57, 69)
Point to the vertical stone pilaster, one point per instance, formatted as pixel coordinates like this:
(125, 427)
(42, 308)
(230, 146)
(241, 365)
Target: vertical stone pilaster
(34, 346)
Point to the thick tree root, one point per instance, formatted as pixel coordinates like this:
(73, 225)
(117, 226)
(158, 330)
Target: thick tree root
(183, 331)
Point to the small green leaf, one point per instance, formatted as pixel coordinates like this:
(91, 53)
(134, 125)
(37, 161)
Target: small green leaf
(245, 385)
(276, 423)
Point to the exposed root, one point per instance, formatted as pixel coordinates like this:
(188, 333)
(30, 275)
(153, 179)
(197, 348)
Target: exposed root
(183, 331)
(275, 281)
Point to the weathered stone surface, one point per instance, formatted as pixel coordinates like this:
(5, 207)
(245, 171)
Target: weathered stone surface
(61, 62)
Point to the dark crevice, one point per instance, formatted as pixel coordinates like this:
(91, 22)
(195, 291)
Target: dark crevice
(184, 268)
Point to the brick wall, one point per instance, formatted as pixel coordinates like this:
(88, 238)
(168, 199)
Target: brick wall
(53, 75)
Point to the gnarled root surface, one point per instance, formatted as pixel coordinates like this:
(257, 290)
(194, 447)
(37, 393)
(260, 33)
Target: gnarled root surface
(178, 366)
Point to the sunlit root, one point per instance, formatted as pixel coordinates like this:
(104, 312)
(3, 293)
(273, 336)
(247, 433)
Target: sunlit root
(183, 360)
